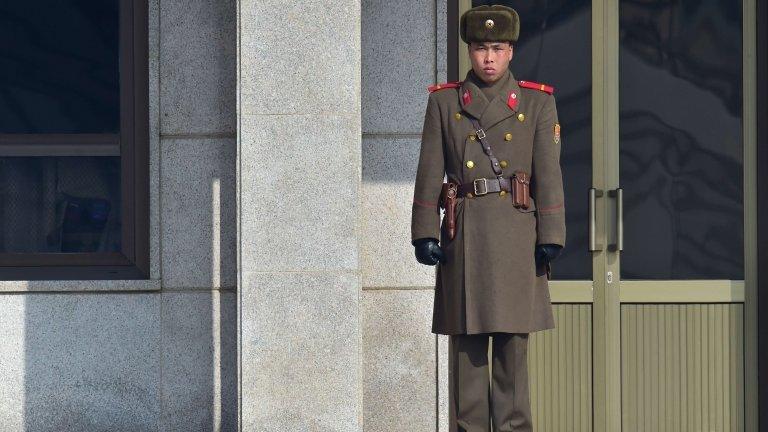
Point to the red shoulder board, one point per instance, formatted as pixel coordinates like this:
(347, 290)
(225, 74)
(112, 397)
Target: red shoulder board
(436, 87)
(537, 86)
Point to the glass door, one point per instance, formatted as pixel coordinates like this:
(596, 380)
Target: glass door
(680, 211)
(654, 294)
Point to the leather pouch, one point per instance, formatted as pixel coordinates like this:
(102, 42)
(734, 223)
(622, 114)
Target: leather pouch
(521, 189)
(448, 196)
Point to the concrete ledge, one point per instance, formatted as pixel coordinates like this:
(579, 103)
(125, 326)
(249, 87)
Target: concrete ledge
(80, 285)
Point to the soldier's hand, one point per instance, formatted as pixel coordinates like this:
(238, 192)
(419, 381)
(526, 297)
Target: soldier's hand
(427, 251)
(546, 253)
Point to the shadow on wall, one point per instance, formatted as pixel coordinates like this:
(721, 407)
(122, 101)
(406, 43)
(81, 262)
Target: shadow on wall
(154, 360)
(139, 361)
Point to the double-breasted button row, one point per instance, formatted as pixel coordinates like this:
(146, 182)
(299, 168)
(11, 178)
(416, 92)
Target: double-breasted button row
(507, 137)
(520, 116)
(471, 164)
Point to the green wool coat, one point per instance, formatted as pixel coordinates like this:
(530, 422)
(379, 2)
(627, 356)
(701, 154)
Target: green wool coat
(489, 282)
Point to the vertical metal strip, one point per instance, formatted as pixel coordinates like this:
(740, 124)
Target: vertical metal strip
(560, 371)
(605, 176)
(682, 367)
(464, 65)
(749, 123)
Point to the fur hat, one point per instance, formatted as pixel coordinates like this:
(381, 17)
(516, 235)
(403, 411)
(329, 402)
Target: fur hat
(495, 23)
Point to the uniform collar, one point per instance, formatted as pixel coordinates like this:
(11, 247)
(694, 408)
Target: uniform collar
(504, 103)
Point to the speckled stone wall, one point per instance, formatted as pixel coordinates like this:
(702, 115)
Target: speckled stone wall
(245, 125)
(404, 51)
(157, 354)
(299, 175)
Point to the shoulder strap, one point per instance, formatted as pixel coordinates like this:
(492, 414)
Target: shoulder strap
(452, 84)
(486, 147)
(537, 86)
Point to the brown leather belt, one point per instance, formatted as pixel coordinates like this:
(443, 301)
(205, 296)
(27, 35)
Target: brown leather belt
(483, 186)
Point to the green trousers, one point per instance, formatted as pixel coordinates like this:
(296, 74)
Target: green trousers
(477, 396)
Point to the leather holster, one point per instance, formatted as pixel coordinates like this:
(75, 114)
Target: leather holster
(448, 203)
(521, 189)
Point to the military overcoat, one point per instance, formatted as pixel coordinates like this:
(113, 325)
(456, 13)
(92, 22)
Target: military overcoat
(489, 282)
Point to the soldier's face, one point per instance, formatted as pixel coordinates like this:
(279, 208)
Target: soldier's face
(490, 59)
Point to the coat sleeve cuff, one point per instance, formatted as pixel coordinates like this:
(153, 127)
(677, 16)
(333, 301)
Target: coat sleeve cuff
(551, 229)
(425, 222)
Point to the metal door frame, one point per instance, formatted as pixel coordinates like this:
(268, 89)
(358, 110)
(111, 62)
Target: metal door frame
(606, 298)
(761, 330)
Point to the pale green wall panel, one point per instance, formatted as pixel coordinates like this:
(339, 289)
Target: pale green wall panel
(682, 367)
(560, 371)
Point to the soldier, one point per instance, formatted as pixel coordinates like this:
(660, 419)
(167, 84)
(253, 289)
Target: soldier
(498, 141)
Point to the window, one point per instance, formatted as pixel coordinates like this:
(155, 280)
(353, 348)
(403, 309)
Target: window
(74, 164)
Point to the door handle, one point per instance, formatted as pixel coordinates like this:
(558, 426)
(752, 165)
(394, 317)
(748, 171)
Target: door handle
(618, 193)
(620, 219)
(593, 195)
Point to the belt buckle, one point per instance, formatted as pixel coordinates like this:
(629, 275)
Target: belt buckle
(485, 186)
(480, 134)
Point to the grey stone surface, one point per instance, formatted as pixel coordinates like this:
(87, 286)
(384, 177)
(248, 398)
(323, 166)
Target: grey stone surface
(441, 41)
(399, 361)
(442, 384)
(389, 170)
(303, 59)
(199, 387)
(12, 362)
(198, 41)
(80, 285)
(398, 41)
(300, 178)
(301, 354)
(299, 170)
(80, 362)
(199, 213)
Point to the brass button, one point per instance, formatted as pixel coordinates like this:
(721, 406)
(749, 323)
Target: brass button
(521, 116)
(469, 195)
(472, 137)
(508, 137)
(458, 116)
(503, 164)
(470, 164)
(502, 193)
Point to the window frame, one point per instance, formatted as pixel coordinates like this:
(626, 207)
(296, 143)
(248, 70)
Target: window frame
(131, 144)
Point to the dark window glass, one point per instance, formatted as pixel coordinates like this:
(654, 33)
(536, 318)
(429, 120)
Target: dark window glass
(59, 66)
(60, 204)
(681, 139)
(555, 47)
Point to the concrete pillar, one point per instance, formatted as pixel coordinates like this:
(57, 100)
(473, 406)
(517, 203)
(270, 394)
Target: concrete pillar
(299, 175)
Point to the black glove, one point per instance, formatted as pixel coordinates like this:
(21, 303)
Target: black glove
(427, 251)
(546, 253)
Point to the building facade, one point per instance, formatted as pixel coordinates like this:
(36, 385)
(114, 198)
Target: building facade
(245, 263)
